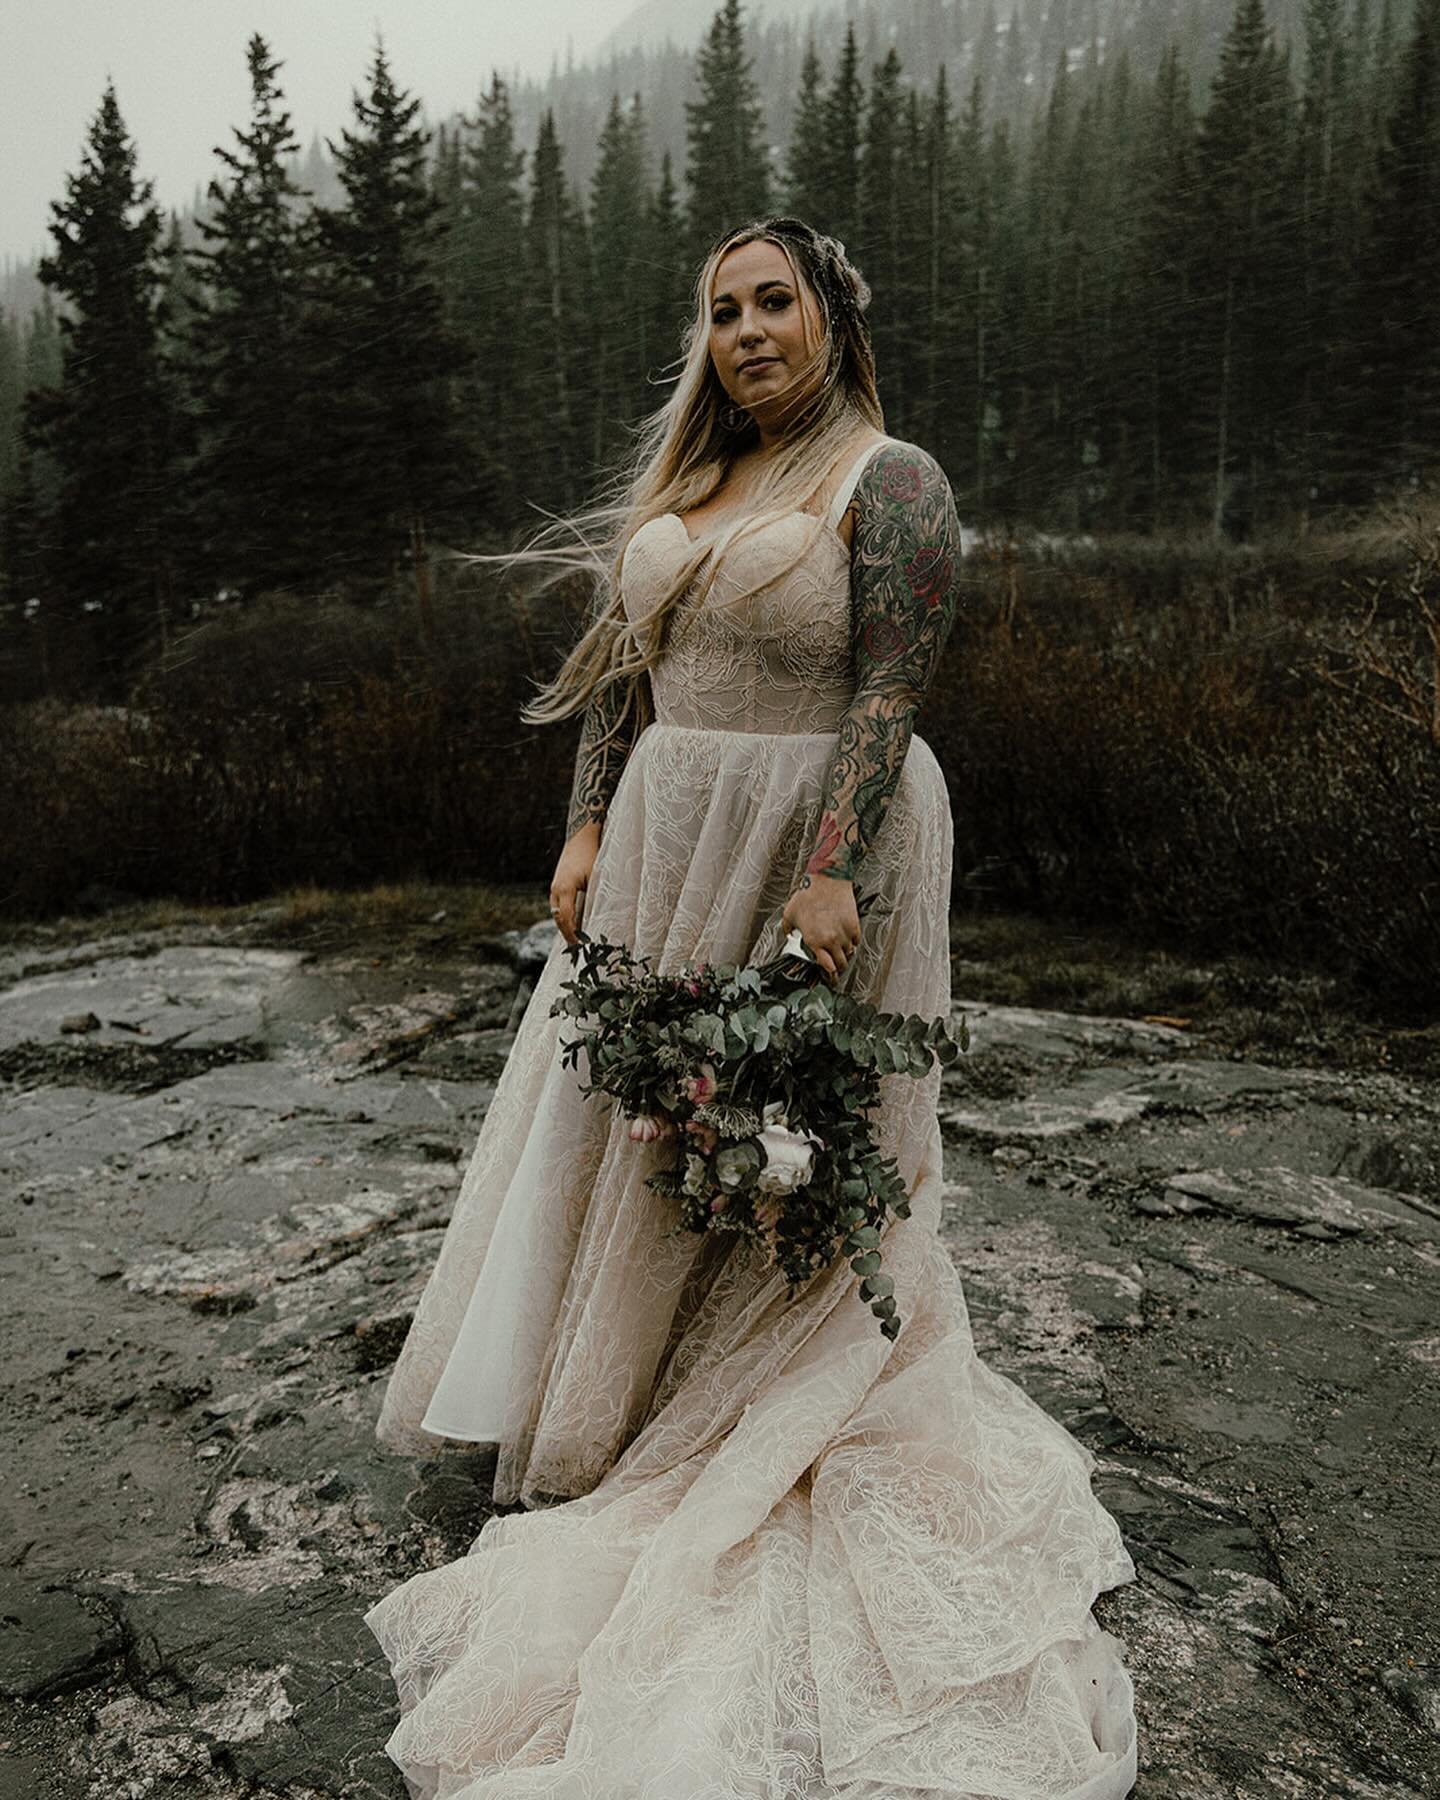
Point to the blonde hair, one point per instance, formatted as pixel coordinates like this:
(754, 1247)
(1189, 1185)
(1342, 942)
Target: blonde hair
(681, 456)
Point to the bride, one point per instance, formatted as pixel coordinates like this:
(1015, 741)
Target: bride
(760, 1551)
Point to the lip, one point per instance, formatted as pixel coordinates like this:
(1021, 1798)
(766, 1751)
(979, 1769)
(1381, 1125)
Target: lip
(752, 364)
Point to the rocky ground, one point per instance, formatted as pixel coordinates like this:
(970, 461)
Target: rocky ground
(1207, 1241)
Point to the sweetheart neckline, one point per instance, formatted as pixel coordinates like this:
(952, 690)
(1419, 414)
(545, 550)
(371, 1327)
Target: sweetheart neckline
(796, 512)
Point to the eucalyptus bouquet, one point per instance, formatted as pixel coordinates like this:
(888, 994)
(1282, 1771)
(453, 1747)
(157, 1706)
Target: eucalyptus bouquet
(762, 1079)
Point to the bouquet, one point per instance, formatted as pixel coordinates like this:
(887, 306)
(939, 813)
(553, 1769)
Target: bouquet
(762, 1079)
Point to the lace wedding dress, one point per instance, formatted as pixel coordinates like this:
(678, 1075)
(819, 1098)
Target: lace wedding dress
(794, 1560)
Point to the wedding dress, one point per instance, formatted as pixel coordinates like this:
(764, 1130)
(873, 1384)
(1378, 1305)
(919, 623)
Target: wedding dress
(768, 1554)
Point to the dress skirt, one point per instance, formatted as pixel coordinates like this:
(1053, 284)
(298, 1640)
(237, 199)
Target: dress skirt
(767, 1553)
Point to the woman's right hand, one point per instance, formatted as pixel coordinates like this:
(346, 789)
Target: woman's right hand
(572, 877)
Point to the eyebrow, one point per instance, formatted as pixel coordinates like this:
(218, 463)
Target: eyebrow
(760, 287)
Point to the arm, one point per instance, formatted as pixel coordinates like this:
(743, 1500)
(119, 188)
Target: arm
(903, 559)
(607, 736)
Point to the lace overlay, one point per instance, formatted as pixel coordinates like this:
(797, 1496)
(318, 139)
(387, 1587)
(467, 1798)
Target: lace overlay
(795, 1561)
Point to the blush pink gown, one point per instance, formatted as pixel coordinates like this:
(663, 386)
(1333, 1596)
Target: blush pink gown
(769, 1554)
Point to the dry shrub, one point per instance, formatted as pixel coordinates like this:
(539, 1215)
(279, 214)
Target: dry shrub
(1206, 768)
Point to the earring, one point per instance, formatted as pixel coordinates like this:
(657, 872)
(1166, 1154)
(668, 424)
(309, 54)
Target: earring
(733, 417)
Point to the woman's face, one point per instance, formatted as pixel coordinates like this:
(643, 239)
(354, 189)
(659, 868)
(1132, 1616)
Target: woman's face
(758, 329)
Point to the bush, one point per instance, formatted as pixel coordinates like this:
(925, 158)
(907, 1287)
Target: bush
(1212, 765)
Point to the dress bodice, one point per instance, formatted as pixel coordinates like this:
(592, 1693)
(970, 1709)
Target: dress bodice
(778, 659)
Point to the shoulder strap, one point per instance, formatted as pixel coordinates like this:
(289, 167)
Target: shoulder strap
(847, 486)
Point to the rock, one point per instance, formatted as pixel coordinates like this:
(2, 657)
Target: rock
(533, 950)
(1328, 1206)
(1415, 1695)
(195, 994)
(49, 1643)
(1109, 1097)
(1057, 1035)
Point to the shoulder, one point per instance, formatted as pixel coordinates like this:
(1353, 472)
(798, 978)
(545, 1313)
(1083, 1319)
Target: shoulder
(899, 473)
(903, 495)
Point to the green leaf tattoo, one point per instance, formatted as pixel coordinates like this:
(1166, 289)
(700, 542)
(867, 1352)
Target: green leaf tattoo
(903, 560)
(612, 722)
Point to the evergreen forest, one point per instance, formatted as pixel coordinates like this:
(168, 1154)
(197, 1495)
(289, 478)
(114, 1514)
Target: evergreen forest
(1108, 296)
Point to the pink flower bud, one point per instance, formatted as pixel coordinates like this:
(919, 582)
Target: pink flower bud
(700, 1086)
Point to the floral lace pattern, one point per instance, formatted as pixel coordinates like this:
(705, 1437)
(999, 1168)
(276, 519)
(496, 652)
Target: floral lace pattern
(794, 1561)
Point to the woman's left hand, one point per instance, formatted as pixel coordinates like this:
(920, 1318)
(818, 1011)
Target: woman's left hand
(828, 920)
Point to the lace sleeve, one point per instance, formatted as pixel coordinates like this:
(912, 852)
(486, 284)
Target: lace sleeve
(612, 721)
(903, 559)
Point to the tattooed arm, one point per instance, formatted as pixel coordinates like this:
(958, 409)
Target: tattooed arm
(599, 761)
(903, 559)
(600, 758)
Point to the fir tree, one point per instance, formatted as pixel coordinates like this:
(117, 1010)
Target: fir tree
(619, 197)
(256, 513)
(1324, 159)
(12, 399)
(390, 451)
(668, 306)
(1158, 369)
(878, 246)
(906, 373)
(105, 424)
(556, 326)
(1243, 163)
(842, 117)
(1400, 279)
(489, 263)
(806, 159)
(727, 170)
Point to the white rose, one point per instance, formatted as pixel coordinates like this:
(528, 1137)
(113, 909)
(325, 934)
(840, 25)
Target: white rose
(789, 1155)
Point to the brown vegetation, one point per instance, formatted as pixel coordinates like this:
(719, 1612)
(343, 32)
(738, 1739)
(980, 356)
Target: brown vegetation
(1188, 747)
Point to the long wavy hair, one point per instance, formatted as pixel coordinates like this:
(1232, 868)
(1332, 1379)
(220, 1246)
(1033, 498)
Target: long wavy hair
(681, 455)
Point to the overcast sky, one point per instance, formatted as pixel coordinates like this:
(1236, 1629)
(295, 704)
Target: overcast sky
(180, 77)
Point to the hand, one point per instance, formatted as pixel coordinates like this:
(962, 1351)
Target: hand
(572, 877)
(824, 908)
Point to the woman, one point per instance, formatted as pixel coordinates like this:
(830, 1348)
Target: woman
(767, 1551)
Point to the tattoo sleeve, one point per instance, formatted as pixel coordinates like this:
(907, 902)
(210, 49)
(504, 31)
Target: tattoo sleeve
(903, 558)
(612, 722)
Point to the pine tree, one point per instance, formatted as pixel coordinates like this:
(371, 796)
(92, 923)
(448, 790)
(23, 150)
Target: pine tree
(1157, 370)
(727, 170)
(842, 119)
(1324, 159)
(668, 308)
(1247, 379)
(489, 263)
(619, 196)
(935, 417)
(878, 247)
(1400, 280)
(390, 451)
(976, 322)
(557, 337)
(906, 374)
(806, 159)
(12, 400)
(256, 513)
(105, 424)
